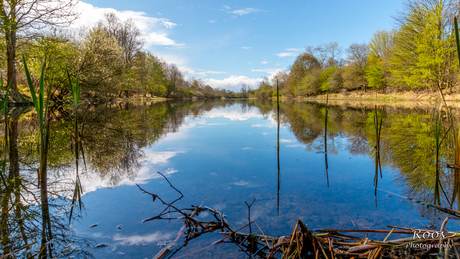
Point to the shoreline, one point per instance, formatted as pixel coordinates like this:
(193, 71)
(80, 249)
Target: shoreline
(392, 97)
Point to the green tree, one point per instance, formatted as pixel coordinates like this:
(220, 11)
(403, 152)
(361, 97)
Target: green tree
(58, 52)
(354, 72)
(17, 16)
(303, 64)
(101, 62)
(424, 53)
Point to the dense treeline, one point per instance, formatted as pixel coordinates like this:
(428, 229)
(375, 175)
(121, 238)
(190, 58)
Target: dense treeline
(418, 54)
(111, 62)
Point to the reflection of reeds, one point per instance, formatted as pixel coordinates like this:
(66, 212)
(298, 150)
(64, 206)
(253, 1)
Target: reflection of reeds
(325, 139)
(77, 141)
(41, 107)
(437, 124)
(438, 141)
(278, 147)
(4, 108)
(378, 130)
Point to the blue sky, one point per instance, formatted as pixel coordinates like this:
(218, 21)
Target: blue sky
(227, 43)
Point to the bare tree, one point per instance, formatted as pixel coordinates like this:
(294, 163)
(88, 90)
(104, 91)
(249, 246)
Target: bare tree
(23, 16)
(174, 75)
(127, 34)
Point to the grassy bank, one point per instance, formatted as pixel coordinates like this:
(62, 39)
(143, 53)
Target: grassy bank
(397, 96)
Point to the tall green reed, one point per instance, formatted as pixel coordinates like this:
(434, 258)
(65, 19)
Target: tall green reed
(41, 107)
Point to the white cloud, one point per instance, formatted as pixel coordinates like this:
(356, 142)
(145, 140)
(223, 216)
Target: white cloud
(192, 72)
(153, 29)
(293, 49)
(226, 7)
(245, 11)
(154, 38)
(286, 54)
(265, 62)
(246, 47)
(233, 82)
(287, 141)
(212, 21)
(271, 71)
(247, 148)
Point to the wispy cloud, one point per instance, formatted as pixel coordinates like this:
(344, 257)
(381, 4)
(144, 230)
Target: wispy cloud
(293, 49)
(271, 71)
(226, 7)
(246, 47)
(265, 62)
(245, 11)
(212, 21)
(205, 73)
(154, 38)
(286, 54)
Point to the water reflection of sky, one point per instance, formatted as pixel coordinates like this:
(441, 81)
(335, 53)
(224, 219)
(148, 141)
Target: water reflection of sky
(227, 156)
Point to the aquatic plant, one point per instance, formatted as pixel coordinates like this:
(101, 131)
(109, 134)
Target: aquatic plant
(41, 107)
(78, 191)
(4, 108)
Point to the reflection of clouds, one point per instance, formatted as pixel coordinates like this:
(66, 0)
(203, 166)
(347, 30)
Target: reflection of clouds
(92, 182)
(245, 184)
(259, 211)
(287, 140)
(266, 125)
(160, 157)
(247, 148)
(171, 171)
(233, 113)
(138, 240)
(295, 145)
(265, 133)
(213, 124)
(219, 206)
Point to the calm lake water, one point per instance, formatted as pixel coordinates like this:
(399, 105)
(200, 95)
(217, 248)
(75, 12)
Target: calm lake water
(222, 154)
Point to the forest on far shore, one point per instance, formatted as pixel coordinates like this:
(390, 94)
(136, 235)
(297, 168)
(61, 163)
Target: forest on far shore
(419, 54)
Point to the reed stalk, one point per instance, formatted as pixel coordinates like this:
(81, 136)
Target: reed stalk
(4, 108)
(278, 147)
(77, 140)
(378, 131)
(41, 107)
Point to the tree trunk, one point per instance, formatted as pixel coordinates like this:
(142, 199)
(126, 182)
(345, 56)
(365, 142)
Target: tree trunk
(11, 65)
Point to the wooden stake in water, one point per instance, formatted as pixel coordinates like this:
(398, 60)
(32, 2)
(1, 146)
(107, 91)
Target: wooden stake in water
(278, 145)
(325, 139)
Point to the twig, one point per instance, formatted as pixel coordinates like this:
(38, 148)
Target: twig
(249, 213)
(171, 184)
(17, 250)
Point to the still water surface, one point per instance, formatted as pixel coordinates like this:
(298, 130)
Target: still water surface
(222, 153)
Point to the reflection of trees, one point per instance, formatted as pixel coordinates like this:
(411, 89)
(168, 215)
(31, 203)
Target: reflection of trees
(21, 222)
(113, 137)
(407, 143)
